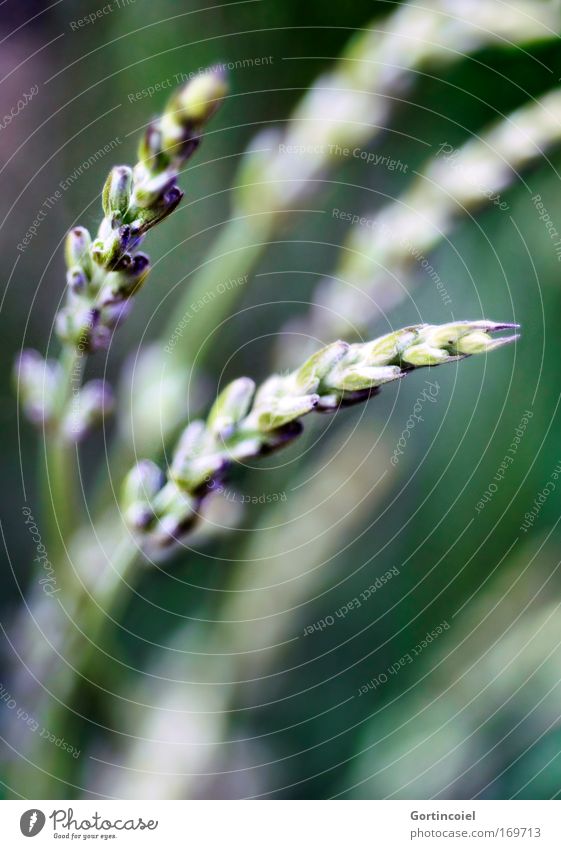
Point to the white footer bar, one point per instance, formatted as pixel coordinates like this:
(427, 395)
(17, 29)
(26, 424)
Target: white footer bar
(282, 824)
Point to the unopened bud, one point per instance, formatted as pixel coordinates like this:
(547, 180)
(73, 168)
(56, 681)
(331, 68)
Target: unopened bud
(77, 249)
(88, 409)
(152, 189)
(282, 411)
(197, 101)
(386, 348)
(309, 376)
(192, 474)
(117, 191)
(76, 279)
(152, 215)
(176, 512)
(38, 382)
(150, 152)
(109, 251)
(231, 405)
(358, 378)
(125, 282)
(425, 355)
(142, 483)
(479, 343)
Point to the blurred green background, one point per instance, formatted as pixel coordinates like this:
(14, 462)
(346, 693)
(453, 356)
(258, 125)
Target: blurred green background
(213, 690)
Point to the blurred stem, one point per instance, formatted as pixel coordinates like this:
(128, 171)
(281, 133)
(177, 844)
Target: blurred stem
(86, 613)
(58, 465)
(232, 256)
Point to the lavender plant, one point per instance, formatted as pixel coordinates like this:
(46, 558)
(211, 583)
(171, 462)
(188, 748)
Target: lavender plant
(104, 274)
(285, 168)
(245, 422)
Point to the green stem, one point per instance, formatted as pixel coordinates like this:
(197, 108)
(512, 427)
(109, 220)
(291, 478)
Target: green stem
(87, 612)
(58, 461)
(232, 257)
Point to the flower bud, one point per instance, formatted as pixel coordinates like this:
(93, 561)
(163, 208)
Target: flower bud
(117, 191)
(192, 441)
(199, 99)
(125, 282)
(38, 382)
(309, 376)
(357, 378)
(109, 251)
(152, 215)
(282, 411)
(192, 474)
(423, 354)
(231, 405)
(75, 324)
(150, 191)
(176, 512)
(142, 483)
(88, 409)
(479, 343)
(76, 279)
(150, 152)
(77, 249)
(114, 314)
(387, 348)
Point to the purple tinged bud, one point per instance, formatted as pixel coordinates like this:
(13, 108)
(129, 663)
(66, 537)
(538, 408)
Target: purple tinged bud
(88, 408)
(99, 338)
(77, 249)
(111, 251)
(38, 381)
(189, 145)
(28, 366)
(139, 516)
(142, 483)
(114, 314)
(117, 191)
(173, 197)
(76, 279)
(140, 263)
(150, 151)
(149, 191)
